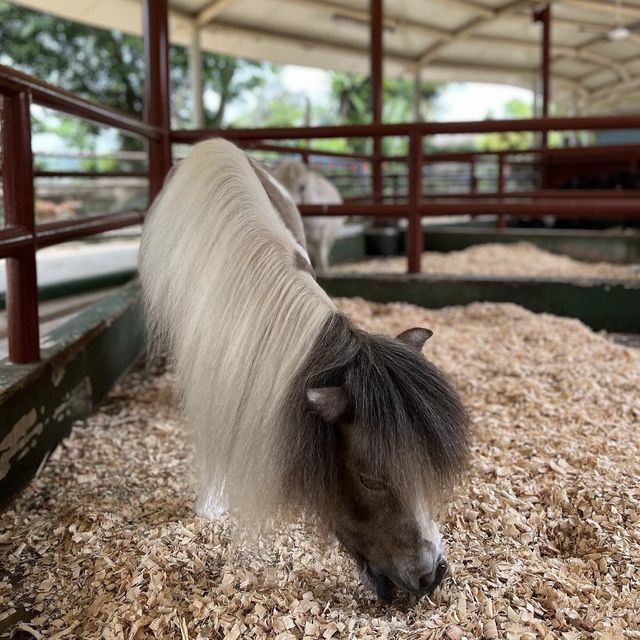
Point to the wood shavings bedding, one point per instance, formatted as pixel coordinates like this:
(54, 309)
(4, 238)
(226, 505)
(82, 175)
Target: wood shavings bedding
(494, 259)
(543, 538)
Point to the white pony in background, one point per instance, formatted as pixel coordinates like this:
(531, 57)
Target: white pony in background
(309, 187)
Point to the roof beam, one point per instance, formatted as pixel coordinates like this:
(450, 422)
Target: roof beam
(608, 8)
(608, 87)
(470, 6)
(303, 42)
(598, 60)
(389, 20)
(244, 31)
(616, 99)
(433, 51)
(467, 31)
(615, 96)
(525, 16)
(603, 61)
(211, 11)
(446, 36)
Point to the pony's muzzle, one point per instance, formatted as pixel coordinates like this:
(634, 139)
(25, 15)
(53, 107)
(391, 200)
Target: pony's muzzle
(429, 582)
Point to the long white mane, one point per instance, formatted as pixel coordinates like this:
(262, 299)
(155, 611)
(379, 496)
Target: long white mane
(224, 294)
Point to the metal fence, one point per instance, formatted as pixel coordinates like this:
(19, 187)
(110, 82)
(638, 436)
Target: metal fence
(488, 176)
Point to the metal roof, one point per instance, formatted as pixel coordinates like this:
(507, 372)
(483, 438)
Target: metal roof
(595, 45)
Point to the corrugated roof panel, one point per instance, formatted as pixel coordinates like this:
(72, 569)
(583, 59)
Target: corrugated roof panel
(335, 34)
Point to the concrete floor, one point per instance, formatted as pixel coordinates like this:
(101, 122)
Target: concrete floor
(75, 260)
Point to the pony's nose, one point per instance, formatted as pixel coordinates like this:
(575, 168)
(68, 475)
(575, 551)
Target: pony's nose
(429, 581)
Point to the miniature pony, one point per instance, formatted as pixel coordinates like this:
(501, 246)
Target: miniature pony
(294, 410)
(309, 187)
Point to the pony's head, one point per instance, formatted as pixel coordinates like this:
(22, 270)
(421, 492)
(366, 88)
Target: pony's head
(293, 175)
(383, 436)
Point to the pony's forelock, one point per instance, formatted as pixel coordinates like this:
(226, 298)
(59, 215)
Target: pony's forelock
(411, 425)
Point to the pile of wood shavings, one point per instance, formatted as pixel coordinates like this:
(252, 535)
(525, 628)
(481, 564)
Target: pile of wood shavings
(543, 538)
(495, 259)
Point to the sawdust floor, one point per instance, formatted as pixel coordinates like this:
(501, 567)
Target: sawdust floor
(520, 259)
(543, 538)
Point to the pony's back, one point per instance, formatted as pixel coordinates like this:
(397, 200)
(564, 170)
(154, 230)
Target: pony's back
(225, 295)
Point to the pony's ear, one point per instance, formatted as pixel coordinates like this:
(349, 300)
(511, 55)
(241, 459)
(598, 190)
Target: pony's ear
(330, 403)
(415, 337)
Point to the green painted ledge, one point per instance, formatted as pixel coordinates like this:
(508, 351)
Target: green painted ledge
(81, 360)
(609, 305)
(587, 245)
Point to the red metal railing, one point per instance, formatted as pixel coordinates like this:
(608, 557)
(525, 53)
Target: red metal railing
(21, 237)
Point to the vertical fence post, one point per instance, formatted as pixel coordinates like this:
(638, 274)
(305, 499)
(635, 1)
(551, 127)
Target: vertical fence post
(543, 16)
(414, 229)
(501, 222)
(156, 91)
(473, 183)
(376, 70)
(19, 211)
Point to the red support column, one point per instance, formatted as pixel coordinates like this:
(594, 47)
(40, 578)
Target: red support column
(501, 222)
(156, 91)
(544, 17)
(376, 62)
(17, 181)
(413, 240)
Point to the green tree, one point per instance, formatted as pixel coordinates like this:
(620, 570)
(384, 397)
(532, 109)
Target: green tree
(514, 108)
(108, 66)
(351, 94)
(275, 109)
(230, 78)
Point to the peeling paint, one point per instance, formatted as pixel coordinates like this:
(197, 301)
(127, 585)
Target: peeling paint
(19, 440)
(57, 374)
(75, 402)
(40, 402)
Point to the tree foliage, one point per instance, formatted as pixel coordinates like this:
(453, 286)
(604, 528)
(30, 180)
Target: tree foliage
(108, 66)
(516, 140)
(351, 95)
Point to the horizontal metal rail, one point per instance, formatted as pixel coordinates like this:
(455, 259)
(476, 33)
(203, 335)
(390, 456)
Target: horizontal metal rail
(570, 208)
(20, 238)
(51, 233)
(633, 195)
(421, 128)
(13, 82)
(304, 151)
(14, 239)
(443, 206)
(90, 174)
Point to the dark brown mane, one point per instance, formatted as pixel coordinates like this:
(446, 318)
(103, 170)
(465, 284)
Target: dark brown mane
(410, 417)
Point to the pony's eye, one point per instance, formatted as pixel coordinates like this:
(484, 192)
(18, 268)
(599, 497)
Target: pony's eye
(371, 483)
